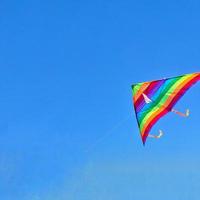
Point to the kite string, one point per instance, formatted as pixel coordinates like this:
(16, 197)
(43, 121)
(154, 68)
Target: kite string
(107, 134)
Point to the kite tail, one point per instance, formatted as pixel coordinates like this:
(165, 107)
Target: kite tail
(156, 136)
(186, 114)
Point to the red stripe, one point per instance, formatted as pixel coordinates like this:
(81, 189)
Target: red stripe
(168, 109)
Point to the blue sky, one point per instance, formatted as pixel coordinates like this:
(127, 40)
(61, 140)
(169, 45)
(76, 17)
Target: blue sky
(67, 126)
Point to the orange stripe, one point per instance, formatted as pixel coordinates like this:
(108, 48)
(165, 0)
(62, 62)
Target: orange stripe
(142, 89)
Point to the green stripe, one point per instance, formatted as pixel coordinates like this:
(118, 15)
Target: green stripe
(136, 88)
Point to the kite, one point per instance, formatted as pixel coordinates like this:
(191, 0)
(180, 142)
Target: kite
(152, 100)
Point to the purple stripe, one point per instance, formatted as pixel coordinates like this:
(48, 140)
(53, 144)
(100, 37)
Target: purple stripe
(150, 94)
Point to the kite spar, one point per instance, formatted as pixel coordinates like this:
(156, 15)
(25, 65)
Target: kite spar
(152, 100)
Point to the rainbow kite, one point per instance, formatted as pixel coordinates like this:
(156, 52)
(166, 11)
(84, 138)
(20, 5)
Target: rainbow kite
(152, 100)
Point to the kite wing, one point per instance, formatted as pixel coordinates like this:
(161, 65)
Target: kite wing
(152, 100)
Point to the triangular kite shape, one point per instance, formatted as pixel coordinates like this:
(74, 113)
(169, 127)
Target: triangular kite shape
(152, 100)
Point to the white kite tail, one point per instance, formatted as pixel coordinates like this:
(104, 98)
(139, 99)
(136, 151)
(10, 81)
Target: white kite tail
(186, 114)
(156, 136)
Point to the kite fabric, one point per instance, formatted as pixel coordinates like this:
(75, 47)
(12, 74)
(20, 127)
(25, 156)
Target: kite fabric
(152, 100)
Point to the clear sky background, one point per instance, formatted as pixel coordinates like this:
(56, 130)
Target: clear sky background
(67, 125)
